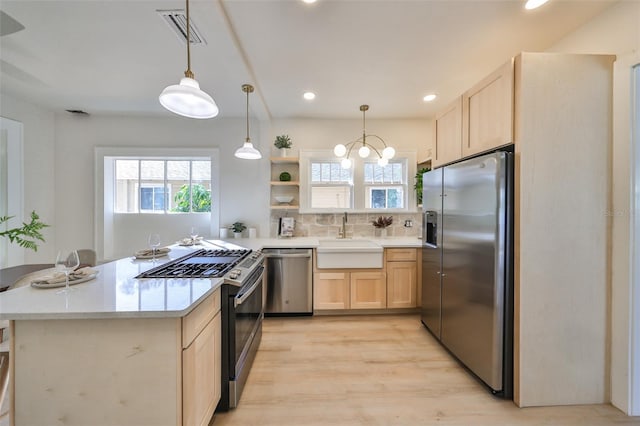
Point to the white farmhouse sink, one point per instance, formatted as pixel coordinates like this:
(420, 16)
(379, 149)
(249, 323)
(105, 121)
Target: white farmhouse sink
(348, 253)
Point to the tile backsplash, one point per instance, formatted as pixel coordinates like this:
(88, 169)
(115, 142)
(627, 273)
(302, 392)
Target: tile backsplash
(358, 224)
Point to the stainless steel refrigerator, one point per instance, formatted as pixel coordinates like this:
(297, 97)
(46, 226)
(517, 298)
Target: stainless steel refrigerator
(467, 265)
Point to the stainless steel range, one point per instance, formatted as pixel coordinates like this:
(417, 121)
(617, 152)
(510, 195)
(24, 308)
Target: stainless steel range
(242, 307)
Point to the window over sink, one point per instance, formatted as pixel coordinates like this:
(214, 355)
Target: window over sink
(327, 187)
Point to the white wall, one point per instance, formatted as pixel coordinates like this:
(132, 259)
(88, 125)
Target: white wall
(243, 184)
(39, 169)
(617, 31)
(403, 134)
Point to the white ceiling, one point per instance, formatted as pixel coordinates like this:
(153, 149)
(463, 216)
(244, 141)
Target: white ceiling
(115, 57)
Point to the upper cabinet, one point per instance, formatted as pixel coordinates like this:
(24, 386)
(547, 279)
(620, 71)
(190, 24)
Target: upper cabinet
(285, 183)
(487, 112)
(448, 134)
(479, 120)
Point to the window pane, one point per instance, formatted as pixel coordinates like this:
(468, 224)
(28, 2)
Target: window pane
(126, 186)
(178, 170)
(152, 170)
(324, 197)
(391, 173)
(378, 198)
(394, 198)
(385, 197)
(201, 170)
(315, 172)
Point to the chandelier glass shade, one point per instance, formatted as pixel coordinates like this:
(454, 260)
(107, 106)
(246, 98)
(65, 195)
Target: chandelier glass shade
(247, 151)
(364, 148)
(186, 98)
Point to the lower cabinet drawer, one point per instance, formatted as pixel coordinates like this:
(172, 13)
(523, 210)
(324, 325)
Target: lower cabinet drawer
(195, 321)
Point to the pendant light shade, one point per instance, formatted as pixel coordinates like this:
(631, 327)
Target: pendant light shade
(247, 151)
(186, 98)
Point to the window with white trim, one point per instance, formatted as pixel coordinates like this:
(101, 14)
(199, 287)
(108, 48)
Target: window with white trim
(330, 185)
(384, 186)
(162, 185)
(326, 187)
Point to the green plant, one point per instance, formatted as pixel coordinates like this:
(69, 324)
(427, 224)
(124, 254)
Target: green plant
(26, 235)
(285, 177)
(238, 227)
(200, 199)
(418, 184)
(383, 222)
(283, 141)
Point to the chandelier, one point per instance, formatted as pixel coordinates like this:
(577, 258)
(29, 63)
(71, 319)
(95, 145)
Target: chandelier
(365, 148)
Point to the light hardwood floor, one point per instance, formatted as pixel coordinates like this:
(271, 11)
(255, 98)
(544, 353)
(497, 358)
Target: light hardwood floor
(377, 370)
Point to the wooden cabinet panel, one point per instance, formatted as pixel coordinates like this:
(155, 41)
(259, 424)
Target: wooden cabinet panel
(199, 317)
(448, 134)
(201, 362)
(331, 290)
(487, 112)
(401, 254)
(401, 284)
(368, 290)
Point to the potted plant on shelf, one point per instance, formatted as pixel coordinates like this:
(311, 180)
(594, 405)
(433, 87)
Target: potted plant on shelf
(283, 142)
(382, 223)
(237, 229)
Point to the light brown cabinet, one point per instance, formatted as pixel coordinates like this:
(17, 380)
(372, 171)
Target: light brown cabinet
(448, 134)
(349, 289)
(394, 286)
(331, 290)
(201, 366)
(368, 290)
(164, 370)
(480, 120)
(402, 273)
(487, 112)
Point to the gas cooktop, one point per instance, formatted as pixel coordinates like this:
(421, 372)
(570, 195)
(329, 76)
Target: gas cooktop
(199, 264)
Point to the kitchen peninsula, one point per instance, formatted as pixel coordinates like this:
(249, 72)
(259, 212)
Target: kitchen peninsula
(116, 350)
(119, 350)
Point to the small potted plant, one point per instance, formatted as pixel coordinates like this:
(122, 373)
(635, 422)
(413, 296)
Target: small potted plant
(283, 142)
(382, 223)
(237, 229)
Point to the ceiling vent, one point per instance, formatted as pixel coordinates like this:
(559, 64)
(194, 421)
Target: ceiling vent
(177, 21)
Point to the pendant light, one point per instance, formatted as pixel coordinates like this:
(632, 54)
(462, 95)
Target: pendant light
(365, 149)
(247, 151)
(186, 98)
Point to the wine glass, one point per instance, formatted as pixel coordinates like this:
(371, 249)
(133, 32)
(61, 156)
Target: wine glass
(67, 261)
(194, 234)
(154, 243)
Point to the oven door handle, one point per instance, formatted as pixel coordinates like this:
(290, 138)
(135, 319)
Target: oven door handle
(240, 300)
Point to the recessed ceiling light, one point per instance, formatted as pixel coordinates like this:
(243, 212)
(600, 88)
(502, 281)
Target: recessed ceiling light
(532, 4)
(309, 1)
(429, 98)
(309, 96)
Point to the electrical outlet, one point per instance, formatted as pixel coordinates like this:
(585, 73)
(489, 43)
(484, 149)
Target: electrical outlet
(408, 223)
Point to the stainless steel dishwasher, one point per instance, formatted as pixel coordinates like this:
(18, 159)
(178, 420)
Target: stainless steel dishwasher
(289, 281)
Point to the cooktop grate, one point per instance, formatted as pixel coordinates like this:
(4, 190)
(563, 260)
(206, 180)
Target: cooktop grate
(199, 264)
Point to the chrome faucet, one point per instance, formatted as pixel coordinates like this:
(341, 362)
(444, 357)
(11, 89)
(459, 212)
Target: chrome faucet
(343, 232)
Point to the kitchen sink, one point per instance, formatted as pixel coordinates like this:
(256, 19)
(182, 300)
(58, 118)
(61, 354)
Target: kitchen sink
(348, 253)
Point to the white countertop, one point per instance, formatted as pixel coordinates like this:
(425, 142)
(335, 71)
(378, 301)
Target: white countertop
(116, 294)
(113, 294)
(313, 242)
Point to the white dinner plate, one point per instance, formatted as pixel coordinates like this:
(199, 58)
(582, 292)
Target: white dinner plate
(37, 284)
